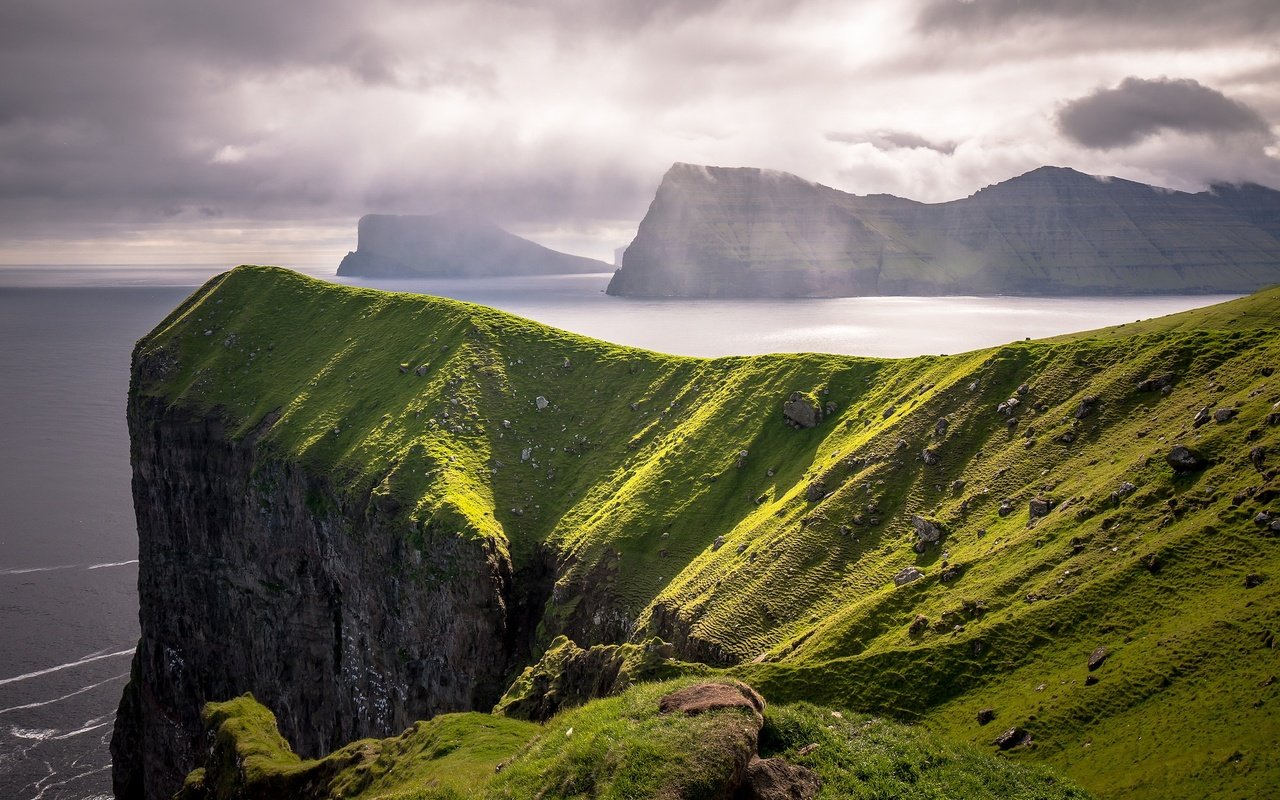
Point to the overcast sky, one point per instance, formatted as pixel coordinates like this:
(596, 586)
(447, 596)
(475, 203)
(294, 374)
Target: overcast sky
(144, 131)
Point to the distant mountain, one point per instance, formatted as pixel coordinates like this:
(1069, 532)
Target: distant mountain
(451, 245)
(722, 232)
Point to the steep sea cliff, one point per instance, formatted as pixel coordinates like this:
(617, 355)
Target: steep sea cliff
(366, 508)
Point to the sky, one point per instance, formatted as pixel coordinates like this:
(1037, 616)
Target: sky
(174, 131)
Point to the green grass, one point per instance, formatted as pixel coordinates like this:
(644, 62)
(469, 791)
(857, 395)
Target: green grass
(614, 748)
(632, 475)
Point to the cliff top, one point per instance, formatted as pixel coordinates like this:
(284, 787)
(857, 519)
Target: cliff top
(921, 537)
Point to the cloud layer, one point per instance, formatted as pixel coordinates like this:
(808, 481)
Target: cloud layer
(247, 127)
(1138, 109)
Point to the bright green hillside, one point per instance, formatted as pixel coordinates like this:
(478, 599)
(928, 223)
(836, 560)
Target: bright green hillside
(633, 470)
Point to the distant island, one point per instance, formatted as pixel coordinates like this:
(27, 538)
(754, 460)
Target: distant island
(452, 245)
(745, 232)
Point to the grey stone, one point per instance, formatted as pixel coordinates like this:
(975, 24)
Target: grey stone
(907, 575)
(540, 402)
(801, 411)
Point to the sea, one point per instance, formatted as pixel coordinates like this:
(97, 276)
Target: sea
(68, 543)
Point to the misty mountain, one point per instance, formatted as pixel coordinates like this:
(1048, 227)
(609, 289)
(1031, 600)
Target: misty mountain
(451, 245)
(744, 232)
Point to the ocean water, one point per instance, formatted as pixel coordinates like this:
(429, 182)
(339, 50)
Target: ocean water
(68, 549)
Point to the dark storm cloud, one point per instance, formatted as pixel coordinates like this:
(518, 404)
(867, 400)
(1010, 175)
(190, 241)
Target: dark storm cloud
(1186, 17)
(1137, 109)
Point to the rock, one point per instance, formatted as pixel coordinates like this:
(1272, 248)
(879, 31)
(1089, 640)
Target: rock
(540, 402)
(829, 408)
(1202, 416)
(1005, 509)
(420, 370)
(958, 485)
(775, 779)
(918, 625)
(1157, 383)
(404, 368)
(1222, 415)
(717, 544)
(940, 427)
(927, 530)
(526, 454)
(1088, 405)
(742, 548)
(1039, 507)
(888, 412)
(815, 491)
(1014, 737)
(929, 457)
(1252, 580)
(1257, 457)
(1090, 680)
(809, 748)
(1067, 437)
(1097, 657)
(1008, 406)
(1124, 490)
(567, 364)
(742, 459)
(986, 715)
(801, 410)
(907, 575)
(1023, 389)
(704, 697)
(1273, 419)
(1183, 459)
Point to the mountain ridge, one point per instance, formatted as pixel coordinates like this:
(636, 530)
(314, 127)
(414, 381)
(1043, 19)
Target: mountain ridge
(746, 232)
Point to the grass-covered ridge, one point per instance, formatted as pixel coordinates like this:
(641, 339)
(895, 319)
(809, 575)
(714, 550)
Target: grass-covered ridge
(617, 748)
(780, 564)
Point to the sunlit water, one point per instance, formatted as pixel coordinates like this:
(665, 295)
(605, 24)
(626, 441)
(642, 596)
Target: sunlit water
(68, 549)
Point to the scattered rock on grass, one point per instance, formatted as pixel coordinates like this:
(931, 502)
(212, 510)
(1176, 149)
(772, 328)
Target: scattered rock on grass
(907, 575)
(1184, 459)
(775, 779)
(1097, 657)
(1222, 415)
(985, 715)
(1014, 737)
(801, 412)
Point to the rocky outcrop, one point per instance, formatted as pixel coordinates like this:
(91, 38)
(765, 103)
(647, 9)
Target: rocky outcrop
(720, 232)
(256, 576)
(451, 245)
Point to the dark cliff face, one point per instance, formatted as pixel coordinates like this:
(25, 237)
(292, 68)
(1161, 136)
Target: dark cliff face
(256, 577)
(717, 232)
(451, 245)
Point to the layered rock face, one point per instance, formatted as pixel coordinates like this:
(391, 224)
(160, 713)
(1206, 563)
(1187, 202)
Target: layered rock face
(254, 577)
(450, 245)
(718, 232)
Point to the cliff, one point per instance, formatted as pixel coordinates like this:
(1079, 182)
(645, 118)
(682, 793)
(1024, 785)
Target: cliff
(451, 245)
(719, 232)
(369, 508)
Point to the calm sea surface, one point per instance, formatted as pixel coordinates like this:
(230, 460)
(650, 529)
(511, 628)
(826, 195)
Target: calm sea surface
(68, 549)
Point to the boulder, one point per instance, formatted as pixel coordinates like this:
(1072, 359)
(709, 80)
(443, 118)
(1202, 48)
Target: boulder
(907, 575)
(1088, 405)
(1202, 416)
(986, 715)
(927, 530)
(929, 457)
(801, 411)
(420, 370)
(1005, 509)
(1039, 507)
(918, 625)
(704, 697)
(940, 427)
(775, 779)
(1097, 657)
(1183, 459)
(1222, 415)
(1252, 580)
(540, 402)
(1157, 383)
(717, 544)
(815, 491)
(1258, 457)
(1014, 737)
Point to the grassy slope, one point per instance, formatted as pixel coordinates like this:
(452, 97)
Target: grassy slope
(620, 747)
(633, 498)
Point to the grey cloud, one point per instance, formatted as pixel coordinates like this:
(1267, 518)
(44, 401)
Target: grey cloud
(891, 140)
(1137, 109)
(1189, 16)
